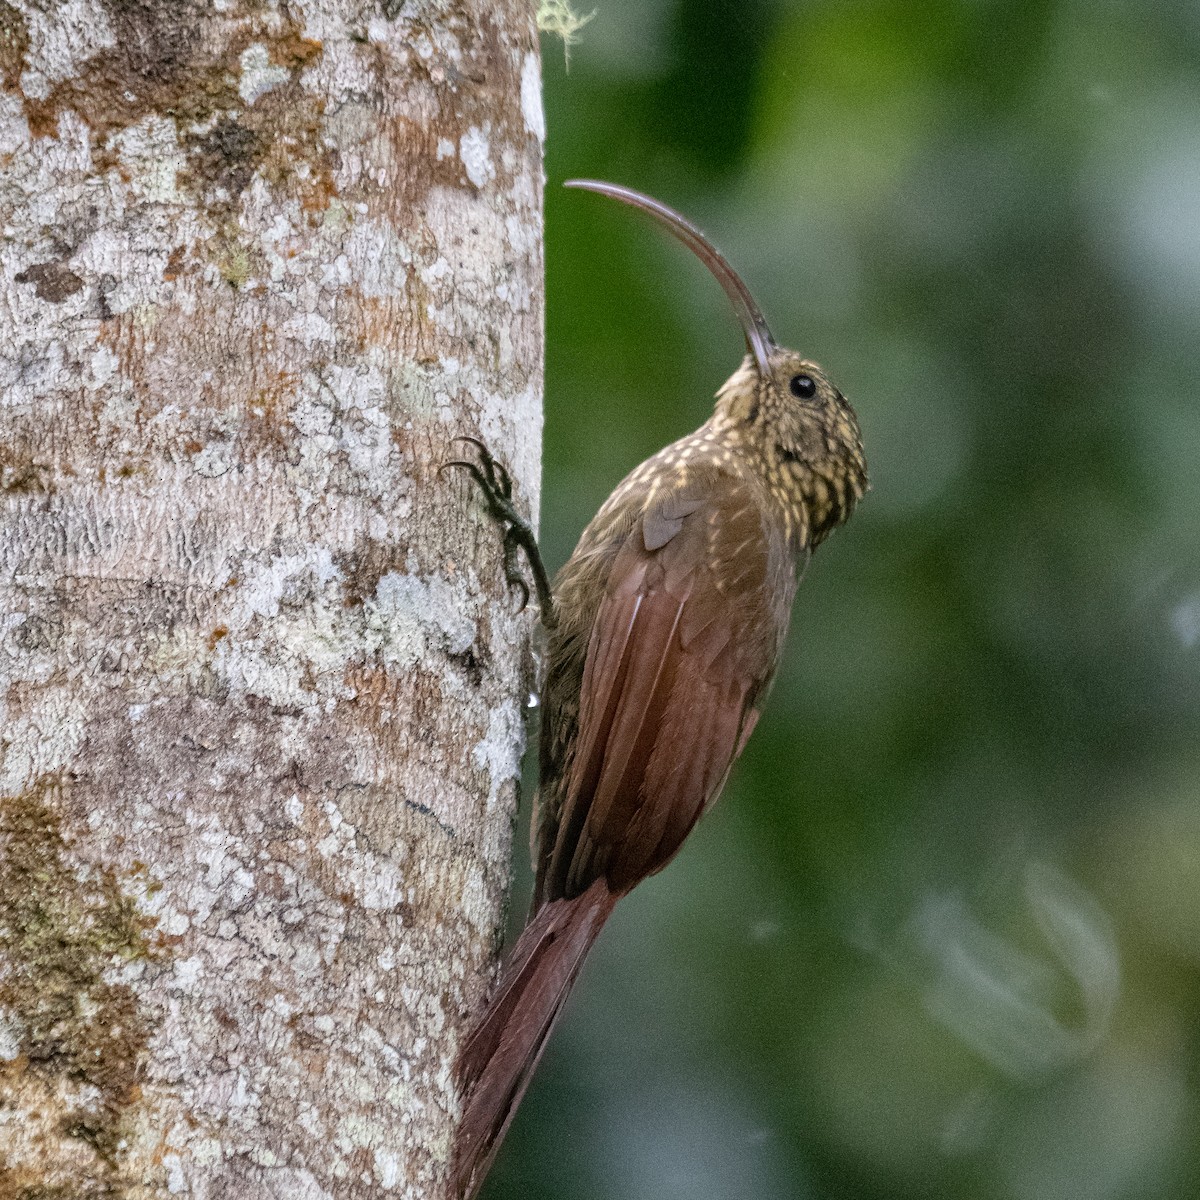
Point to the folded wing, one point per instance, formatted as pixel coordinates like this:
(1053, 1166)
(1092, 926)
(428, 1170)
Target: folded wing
(683, 644)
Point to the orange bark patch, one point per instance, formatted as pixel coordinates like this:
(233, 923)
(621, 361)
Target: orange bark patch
(14, 45)
(165, 63)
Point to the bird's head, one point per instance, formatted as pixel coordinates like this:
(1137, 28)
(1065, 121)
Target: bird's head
(780, 406)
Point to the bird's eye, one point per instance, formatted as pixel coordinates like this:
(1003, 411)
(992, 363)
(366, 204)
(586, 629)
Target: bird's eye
(803, 386)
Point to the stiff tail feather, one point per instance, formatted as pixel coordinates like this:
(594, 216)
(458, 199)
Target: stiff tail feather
(498, 1058)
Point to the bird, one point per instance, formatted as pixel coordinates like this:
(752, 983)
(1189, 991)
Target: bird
(664, 630)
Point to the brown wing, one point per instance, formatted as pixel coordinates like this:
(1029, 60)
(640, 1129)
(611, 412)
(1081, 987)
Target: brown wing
(684, 641)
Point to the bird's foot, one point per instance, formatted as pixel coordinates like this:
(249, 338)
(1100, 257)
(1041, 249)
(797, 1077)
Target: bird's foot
(496, 485)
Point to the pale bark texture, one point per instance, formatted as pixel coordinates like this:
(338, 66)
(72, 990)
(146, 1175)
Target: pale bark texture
(260, 675)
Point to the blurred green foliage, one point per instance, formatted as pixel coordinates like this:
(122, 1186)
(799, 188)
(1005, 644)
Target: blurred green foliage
(941, 938)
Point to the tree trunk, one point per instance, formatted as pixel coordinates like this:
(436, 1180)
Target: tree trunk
(260, 671)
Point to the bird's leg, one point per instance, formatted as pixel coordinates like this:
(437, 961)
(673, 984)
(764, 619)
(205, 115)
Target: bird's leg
(496, 485)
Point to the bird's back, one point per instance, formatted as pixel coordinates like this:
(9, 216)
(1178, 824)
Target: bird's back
(672, 613)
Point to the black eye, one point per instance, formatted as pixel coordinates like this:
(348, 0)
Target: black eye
(803, 386)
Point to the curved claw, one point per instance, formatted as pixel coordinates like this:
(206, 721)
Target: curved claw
(502, 479)
(496, 484)
(471, 467)
(492, 475)
(520, 583)
(485, 455)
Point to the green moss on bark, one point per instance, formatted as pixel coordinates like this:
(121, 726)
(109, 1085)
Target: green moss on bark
(64, 930)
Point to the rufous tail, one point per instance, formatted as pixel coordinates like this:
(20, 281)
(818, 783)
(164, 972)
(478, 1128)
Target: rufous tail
(499, 1056)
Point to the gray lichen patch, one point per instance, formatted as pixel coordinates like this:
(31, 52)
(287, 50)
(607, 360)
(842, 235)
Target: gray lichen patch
(75, 1035)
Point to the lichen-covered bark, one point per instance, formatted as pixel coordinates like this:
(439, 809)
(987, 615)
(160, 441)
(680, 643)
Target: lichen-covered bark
(259, 734)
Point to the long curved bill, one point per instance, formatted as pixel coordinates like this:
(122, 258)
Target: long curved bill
(754, 325)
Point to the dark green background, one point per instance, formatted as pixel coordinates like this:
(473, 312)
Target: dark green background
(941, 938)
